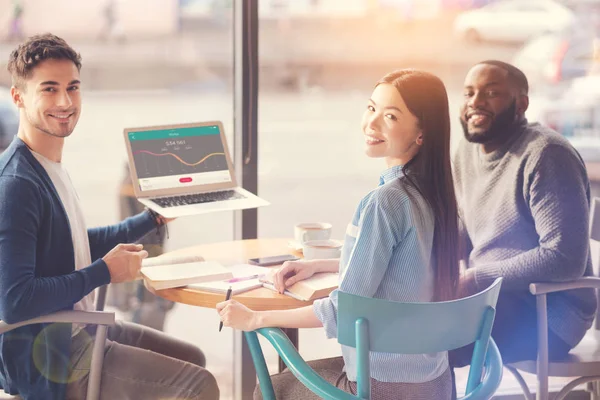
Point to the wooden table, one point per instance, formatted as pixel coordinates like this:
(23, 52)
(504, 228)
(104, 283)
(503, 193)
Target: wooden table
(237, 252)
(230, 253)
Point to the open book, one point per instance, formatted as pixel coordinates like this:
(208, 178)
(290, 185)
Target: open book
(247, 277)
(166, 260)
(170, 272)
(317, 286)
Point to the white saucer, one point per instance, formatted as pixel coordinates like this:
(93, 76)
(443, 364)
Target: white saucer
(295, 245)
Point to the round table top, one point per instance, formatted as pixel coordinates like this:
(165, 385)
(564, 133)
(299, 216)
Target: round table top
(235, 252)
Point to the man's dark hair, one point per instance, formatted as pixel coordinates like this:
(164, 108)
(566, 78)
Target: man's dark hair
(515, 75)
(36, 49)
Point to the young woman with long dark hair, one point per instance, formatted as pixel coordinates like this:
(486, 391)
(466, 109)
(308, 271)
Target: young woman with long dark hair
(401, 245)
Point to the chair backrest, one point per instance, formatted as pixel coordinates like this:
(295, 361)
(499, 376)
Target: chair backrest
(369, 324)
(595, 231)
(595, 219)
(415, 328)
(595, 236)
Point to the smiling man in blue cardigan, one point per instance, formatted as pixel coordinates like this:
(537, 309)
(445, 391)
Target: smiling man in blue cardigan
(50, 261)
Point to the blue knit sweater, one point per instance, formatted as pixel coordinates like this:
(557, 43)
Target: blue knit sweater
(38, 276)
(525, 209)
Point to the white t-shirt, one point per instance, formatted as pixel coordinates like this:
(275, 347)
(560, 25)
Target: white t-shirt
(81, 244)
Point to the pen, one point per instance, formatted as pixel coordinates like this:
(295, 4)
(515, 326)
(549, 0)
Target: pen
(243, 278)
(227, 297)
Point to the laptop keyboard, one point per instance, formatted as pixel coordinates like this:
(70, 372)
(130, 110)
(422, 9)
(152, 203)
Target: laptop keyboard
(198, 198)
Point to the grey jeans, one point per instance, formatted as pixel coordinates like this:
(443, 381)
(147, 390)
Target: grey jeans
(141, 363)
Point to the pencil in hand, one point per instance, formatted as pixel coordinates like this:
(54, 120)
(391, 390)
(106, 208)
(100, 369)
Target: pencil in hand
(227, 297)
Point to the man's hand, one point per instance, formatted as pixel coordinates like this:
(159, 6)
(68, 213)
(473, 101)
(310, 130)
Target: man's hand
(159, 220)
(124, 262)
(165, 220)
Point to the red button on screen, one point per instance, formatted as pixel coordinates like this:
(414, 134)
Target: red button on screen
(185, 180)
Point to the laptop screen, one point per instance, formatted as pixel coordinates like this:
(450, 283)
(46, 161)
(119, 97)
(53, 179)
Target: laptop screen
(179, 157)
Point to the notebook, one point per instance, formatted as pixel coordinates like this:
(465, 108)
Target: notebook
(185, 169)
(223, 286)
(316, 287)
(176, 275)
(245, 278)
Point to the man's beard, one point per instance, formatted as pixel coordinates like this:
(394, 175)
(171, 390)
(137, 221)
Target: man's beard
(38, 125)
(499, 127)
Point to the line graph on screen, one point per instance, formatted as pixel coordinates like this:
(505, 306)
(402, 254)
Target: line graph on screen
(179, 158)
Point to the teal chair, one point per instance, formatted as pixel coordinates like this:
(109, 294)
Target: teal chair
(369, 324)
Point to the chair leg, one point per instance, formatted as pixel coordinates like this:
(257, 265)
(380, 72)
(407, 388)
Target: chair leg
(573, 384)
(93, 392)
(526, 392)
(542, 359)
(594, 390)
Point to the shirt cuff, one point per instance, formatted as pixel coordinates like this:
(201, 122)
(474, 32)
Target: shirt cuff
(327, 314)
(483, 278)
(97, 274)
(139, 225)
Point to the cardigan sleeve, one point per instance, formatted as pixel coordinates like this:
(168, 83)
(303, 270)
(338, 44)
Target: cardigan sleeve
(104, 239)
(25, 295)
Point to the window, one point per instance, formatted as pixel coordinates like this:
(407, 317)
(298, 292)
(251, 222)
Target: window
(144, 63)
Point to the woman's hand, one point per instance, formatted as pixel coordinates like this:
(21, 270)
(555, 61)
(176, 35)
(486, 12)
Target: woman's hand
(237, 316)
(292, 272)
(467, 286)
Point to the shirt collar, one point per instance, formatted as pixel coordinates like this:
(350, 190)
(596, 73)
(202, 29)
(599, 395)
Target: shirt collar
(390, 174)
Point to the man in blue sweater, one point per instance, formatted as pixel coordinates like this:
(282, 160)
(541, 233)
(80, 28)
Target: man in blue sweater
(50, 261)
(524, 196)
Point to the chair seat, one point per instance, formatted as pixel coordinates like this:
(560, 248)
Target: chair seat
(583, 360)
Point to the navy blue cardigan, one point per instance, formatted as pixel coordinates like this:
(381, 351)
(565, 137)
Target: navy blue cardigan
(38, 276)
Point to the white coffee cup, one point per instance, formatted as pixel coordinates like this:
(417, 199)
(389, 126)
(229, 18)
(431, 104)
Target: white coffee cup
(321, 249)
(312, 231)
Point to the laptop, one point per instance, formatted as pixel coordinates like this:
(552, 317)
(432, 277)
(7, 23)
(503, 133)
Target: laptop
(185, 169)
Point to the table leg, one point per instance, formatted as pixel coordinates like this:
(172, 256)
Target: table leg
(291, 333)
(244, 380)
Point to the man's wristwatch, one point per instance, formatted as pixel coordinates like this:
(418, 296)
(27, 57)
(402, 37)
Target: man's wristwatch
(159, 220)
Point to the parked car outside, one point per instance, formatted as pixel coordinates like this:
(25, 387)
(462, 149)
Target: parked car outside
(576, 115)
(513, 20)
(552, 60)
(9, 118)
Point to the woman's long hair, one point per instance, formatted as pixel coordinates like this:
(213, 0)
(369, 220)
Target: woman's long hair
(429, 172)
